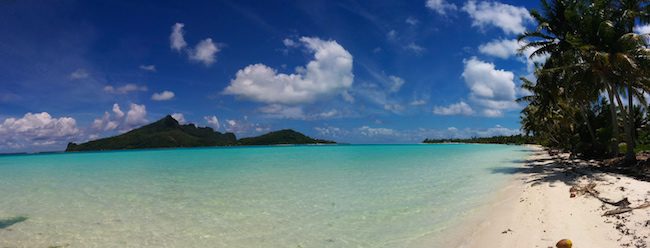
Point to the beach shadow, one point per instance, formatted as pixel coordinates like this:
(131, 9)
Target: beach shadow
(551, 170)
(4, 223)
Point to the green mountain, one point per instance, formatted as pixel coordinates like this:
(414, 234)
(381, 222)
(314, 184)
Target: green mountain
(286, 136)
(166, 132)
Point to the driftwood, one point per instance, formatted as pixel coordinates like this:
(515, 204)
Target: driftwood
(626, 209)
(623, 204)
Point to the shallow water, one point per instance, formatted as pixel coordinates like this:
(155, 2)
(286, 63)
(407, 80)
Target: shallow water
(285, 196)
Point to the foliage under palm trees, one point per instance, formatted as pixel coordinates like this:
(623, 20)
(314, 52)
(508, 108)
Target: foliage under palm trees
(592, 85)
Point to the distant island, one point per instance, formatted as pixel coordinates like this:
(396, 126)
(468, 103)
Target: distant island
(168, 133)
(510, 140)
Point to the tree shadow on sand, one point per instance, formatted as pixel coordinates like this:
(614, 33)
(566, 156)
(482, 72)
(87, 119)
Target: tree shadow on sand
(4, 223)
(551, 170)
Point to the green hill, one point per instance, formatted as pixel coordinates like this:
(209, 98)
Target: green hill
(286, 136)
(166, 132)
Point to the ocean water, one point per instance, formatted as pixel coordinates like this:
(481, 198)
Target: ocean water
(282, 196)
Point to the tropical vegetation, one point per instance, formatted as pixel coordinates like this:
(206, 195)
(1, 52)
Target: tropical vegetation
(589, 97)
(167, 133)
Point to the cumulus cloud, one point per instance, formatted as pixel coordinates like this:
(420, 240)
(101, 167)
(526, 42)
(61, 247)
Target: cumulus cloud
(244, 127)
(79, 74)
(151, 68)
(376, 131)
(441, 6)
(204, 52)
(176, 39)
(505, 48)
(163, 96)
(136, 115)
(37, 129)
(331, 131)
(117, 111)
(212, 121)
(490, 87)
(179, 117)
(510, 19)
(485, 81)
(329, 73)
(460, 108)
(500, 48)
(124, 89)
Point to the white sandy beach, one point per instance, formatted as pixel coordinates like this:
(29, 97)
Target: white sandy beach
(536, 210)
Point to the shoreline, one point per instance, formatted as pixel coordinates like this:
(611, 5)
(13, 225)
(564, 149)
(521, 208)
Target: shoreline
(535, 208)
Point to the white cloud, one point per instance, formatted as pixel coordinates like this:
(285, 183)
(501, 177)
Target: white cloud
(151, 68)
(105, 123)
(176, 39)
(118, 112)
(330, 131)
(290, 43)
(492, 113)
(204, 52)
(163, 96)
(485, 81)
(281, 111)
(179, 117)
(329, 73)
(415, 48)
(136, 115)
(510, 19)
(643, 29)
(418, 102)
(79, 74)
(124, 89)
(38, 129)
(489, 87)
(396, 83)
(460, 108)
(500, 48)
(505, 48)
(295, 112)
(441, 6)
(379, 131)
(213, 121)
(412, 21)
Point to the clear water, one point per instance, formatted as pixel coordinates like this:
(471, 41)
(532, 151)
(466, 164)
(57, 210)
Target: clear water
(294, 196)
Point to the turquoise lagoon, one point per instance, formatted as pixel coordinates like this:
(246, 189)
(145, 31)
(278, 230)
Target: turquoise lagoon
(281, 196)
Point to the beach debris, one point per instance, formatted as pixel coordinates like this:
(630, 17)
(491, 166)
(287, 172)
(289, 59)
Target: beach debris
(590, 189)
(507, 231)
(564, 243)
(626, 209)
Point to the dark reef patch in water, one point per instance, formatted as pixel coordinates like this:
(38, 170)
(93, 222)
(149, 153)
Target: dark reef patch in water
(4, 223)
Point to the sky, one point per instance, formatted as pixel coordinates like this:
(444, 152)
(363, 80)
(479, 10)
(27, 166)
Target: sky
(351, 71)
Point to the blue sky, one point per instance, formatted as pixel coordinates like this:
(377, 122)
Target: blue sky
(352, 71)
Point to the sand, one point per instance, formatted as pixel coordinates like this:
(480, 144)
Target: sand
(535, 209)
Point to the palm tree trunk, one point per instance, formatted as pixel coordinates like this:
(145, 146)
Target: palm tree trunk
(612, 111)
(629, 155)
(591, 130)
(631, 123)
